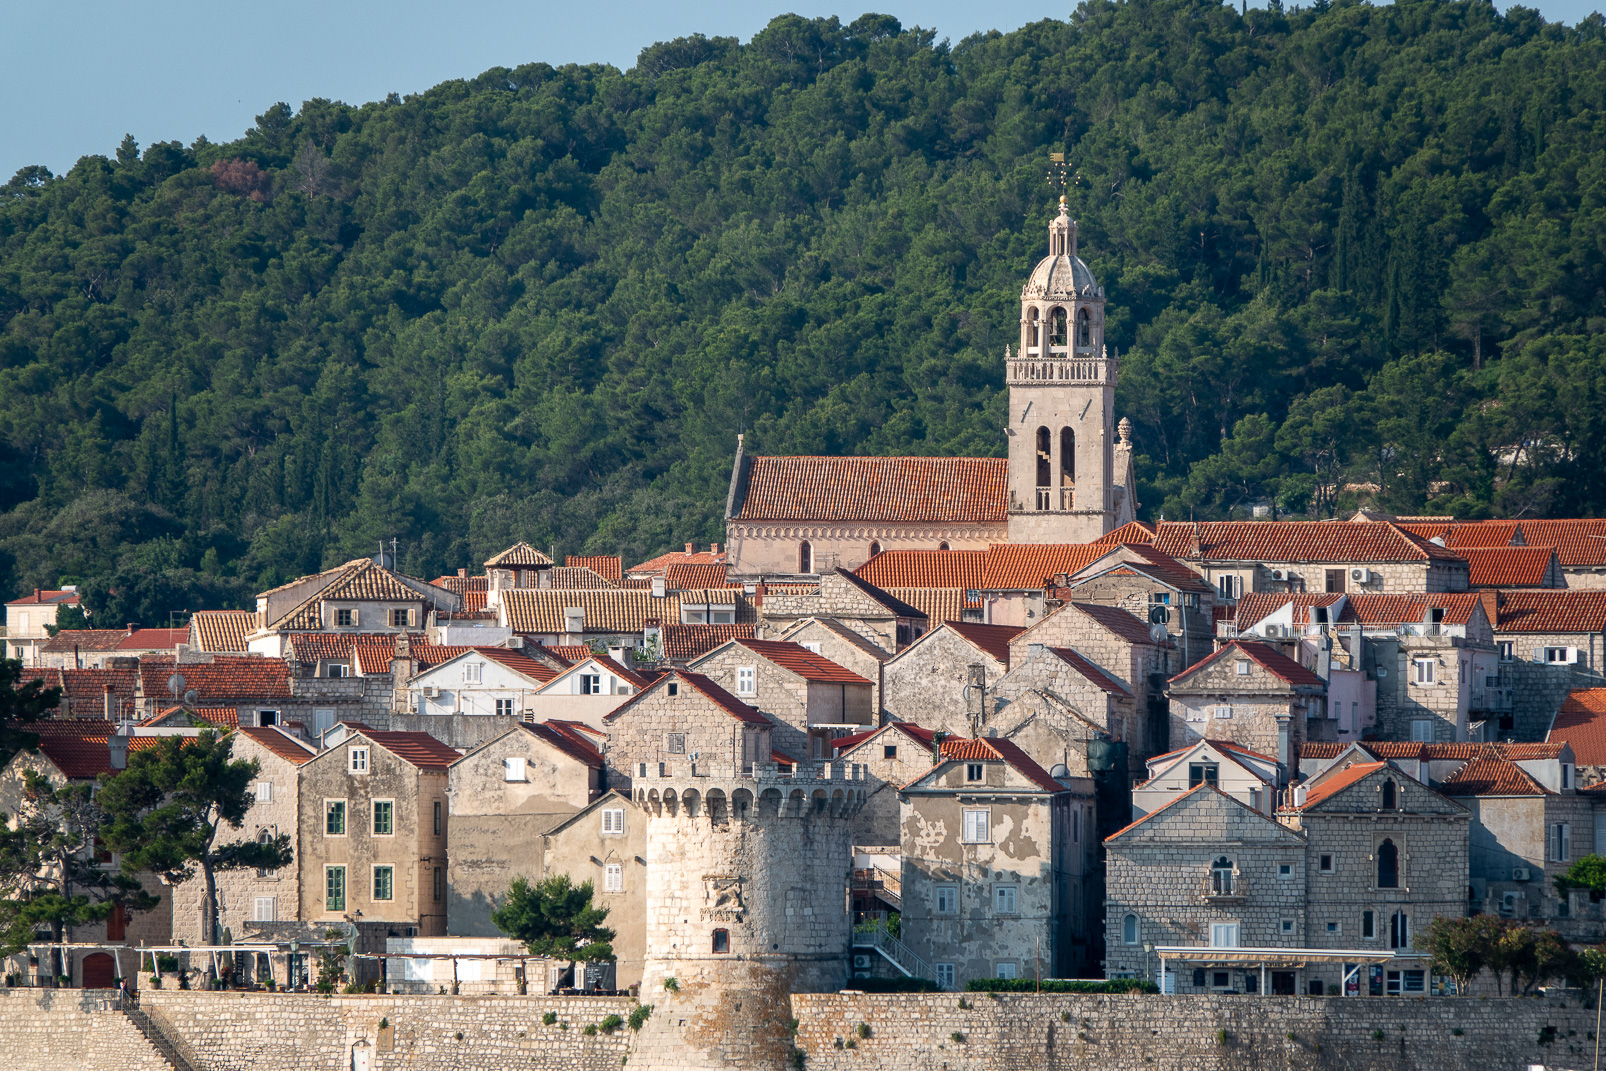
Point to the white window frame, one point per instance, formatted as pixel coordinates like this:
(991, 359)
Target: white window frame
(1223, 712)
(613, 821)
(1507, 649)
(946, 900)
(977, 827)
(975, 773)
(504, 708)
(1424, 671)
(514, 768)
(590, 683)
(1243, 667)
(945, 975)
(613, 878)
(472, 672)
(265, 795)
(336, 670)
(1006, 970)
(357, 760)
(671, 739)
(265, 909)
(747, 680)
(1006, 899)
(1223, 935)
(721, 616)
(346, 617)
(1285, 871)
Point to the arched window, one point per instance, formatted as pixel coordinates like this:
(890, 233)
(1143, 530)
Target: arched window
(1045, 458)
(1389, 799)
(1129, 929)
(1084, 328)
(875, 548)
(1034, 329)
(1399, 930)
(1067, 457)
(1057, 331)
(943, 545)
(805, 557)
(1221, 877)
(1388, 865)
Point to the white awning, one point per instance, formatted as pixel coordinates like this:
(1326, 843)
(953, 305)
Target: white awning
(1269, 957)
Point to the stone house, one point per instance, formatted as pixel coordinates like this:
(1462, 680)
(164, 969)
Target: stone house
(892, 755)
(888, 622)
(605, 843)
(594, 675)
(482, 681)
(1581, 725)
(109, 694)
(26, 618)
(373, 834)
(503, 797)
(613, 617)
(680, 718)
(254, 896)
(1548, 643)
(995, 858)
(221, 631)
(942, 679)
(1254, 696)
(359, 596)
(1580, 550)
(1247, 776)
(1153, 587)
(831, 639)
(1508, 568)
(1209, 873)
(1054, 703)
(811, 699)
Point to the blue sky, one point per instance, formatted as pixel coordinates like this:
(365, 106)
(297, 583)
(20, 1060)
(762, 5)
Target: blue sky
(76, 76)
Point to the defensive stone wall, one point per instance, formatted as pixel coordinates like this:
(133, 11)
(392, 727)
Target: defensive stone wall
(931, 1032)
(52, 1029)
(258, 1031)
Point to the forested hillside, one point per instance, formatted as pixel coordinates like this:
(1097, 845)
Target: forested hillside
(1344, 245)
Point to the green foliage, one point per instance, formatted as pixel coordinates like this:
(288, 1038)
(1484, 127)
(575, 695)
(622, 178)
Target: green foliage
(672, 984)
(862, 1030)
(1346, 244)
(900, 984)
(556, 918)
(639, 1015)
(1060, 985)
(549, 1018)
(590, 1030)
(610, 1024)
(1587, 873)
(164, 813)
(21, 704)
(1509, 948)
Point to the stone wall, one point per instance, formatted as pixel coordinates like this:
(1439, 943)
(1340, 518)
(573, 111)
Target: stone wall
(50, 1029)
(257, 1031)
(1189, 1033)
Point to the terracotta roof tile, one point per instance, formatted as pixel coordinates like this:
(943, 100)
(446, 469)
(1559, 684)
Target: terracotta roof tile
(1268, 658)
(222, 717)
(994, 639)
(569, 652)
(888, 489)
(518, 555)
(566, 741)
(1162, 566)
(1581, 724)
(609, 566)
(577, 578)
(419, 749)
(680, 577)
(1130, 532)
(938, 604)
(221, 681)
(1492, 777)
(518, 662)
(802, 661)
(992, 749)
(1297, 541)
(85, 639)
(359, 580)
(844, 744)
(681, 643)
(1532, 752)
(1256, 606)
(154, 639)
(1341, 780)
(893, 604)
(925, 569)
(84, 690)
(41, 597)
(1578, 543)
(280, 743)
(1228, 745)
(433, 654)
(1551, 611)
(1321, 749)
(1092, 672)
(1032, 567)
(220, 631)
(1509, 567)
(537, 610)
(1389, 610)
(653, 566)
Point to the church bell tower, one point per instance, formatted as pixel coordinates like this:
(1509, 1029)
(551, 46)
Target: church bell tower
(1062, 480)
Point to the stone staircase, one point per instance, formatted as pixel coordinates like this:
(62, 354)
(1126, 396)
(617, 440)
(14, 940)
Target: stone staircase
(153, 1033)
(894, 951)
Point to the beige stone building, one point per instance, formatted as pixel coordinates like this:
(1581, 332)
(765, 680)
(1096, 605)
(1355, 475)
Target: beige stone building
(361, 596)
(885, 621)
(811, 699)
(605, 843)
(892, 756)
(851, 650)
(1153, 587)
(1247, 776)
(1058, 706)
(373, 833)
(1254, 696)
(1548, 643)
(682, 719)
(997, 859)
(942, 679)
(27, 618)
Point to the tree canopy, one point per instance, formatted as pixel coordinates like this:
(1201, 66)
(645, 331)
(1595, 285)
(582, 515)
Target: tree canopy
(555, 918)
(1351, 250)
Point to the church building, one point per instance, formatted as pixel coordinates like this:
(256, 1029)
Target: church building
(1067, 478)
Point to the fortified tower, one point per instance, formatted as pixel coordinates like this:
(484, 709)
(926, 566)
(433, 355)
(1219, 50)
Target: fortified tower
(747, 877)
(1061, 431)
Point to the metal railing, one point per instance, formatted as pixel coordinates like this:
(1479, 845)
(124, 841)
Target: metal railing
(1224, 887)
(877, 937)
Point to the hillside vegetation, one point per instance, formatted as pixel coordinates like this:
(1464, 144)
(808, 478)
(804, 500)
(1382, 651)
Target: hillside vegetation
(1344, 245)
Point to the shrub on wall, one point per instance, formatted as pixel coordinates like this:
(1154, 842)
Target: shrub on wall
(896, 985)
(1060, 985)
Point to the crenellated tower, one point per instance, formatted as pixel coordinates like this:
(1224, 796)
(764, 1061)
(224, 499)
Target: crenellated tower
(1061, 402)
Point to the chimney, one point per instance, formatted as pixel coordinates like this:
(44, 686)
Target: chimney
(131, 627)
(118, 745)
(716, 548)
(462, 572)
(574, 620)
(690, 548)
(658, 588)
(109, 701)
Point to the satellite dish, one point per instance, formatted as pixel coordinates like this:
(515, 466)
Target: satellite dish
(1060, 771)
(175, 684)
(1157, 633)
(191, 697)
(1159, 614)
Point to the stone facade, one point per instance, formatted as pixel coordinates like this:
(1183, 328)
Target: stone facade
(51, 1029)
(1537, 688)
(808, 713)
(846, 602)
(847, 648)
(1409, 707)
(890, 758)
(673, 719)
(1383, 578)
(926, 682)
(1509, 834)
(1245, 700)
(767, 548)
(611, 853)
(1052, 709)
(1189, 612)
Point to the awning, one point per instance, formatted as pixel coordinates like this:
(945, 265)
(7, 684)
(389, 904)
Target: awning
(1269, 957)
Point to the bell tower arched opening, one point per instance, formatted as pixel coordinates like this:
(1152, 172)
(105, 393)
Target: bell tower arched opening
(1057, 334)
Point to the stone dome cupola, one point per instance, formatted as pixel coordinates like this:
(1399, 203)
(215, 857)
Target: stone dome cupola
(1061, 276)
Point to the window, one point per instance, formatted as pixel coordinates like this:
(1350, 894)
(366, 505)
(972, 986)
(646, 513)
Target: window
(875, 549)
(889, 751)
(805, 557)
(973, 771)
(613, 878)
(947, 901)
(1223, 712)
(676, 744)
(345, 618)
(334, 818)
(1560, 842)
(976, 830)
(398, 618)
(613, 821)
(722, 940)
(1390, 797)
(265, 909)
(1004, 898)
(716, 616)
(513, 769)
(504, 708)
(945, 975)
(437, 818)
(672, 688)
(1507, 652)
(1076, 827)
(1461, 672)
(1223, 935)
(1556, 655)
(1388, 865)
(267, 717)
(1202, 773)
(1198, 977)
(334, 888)
(1230, 587)
(1566, 775)
(1243, 667)
(693, 615)
(746, 680)
(1285, 871)
(1056, 337)
(471, 672)
(1369, 925)
(1221, 877)
(357, 760)
(1129, 930)
(1399, 930)
(440, 885)
(265, 791)
(1287, 927)
(1084, 328)
(1005, 970)
(1333, 927)
(1045, 465)
(384, 818)
(384, 883)
(1422, 730)
(1423, 668)
(337, 670)
(1325, 864)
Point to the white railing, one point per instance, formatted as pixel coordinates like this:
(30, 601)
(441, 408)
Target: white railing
(874, 935)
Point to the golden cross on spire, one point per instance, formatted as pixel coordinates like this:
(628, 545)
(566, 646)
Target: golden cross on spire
(1061, 175)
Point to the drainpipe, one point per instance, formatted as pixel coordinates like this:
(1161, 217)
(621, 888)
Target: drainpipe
(1284, 752)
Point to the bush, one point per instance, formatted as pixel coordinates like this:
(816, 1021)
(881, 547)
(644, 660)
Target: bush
(863, 1030)
(590, 1031)
(167, 964)
(610, 1024)
(1061, 985)
(672, 984)
(956, 1036)
(896, 985)
(639, 1015)
(549, 1018)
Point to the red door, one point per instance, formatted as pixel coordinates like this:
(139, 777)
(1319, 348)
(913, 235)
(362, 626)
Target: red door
(99, 972)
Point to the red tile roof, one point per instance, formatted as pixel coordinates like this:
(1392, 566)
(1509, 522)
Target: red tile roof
(430, 654)
(222, 680)
(519, 555)
(925, 569)
(1130, 532)
(567, 652)
(1482, 534)
(419, 749)
(222, 717)
(1032, 567)
(85, 639)
(84, 690)
(1492, 777)
(924, 737)
(1509, 567)
(609, 566)
(518, 662)
(280, 743)
(992, 749)
(887, 489)
(41, 597)
(1341, 780)
(568, 742)
(1118, 621)
(1581, 724)
(1551, 611)
(154, 639)
(1297, 541)
(994, 639)
(1256, 606)
(613, 667)
(1228, 745)
(1162, 566)
(696, 577)
(80, 748)
(223, 630)
(938, 604)
(1268, 658)
(575, 578)
(688, 556)
(1387, 610)
(1577, 542)
(682, 643)
(802, 661)
(1092, 672)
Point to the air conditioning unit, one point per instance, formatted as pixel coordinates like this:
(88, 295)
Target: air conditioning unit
(1360, 576)
(1279, 574)
(861, 963)
(515, 642)
(1520, 873)
(1274, 632)
(432, 692)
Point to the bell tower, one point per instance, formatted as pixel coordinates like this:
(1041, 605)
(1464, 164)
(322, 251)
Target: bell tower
(1061, 402)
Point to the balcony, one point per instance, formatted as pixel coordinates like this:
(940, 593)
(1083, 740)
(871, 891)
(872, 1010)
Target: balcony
(1224, 887)
(1046, 499)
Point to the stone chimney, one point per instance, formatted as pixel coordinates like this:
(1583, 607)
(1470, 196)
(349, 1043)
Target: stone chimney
(118, 744)
(109, 703)
(659, 586)
(715, 547)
